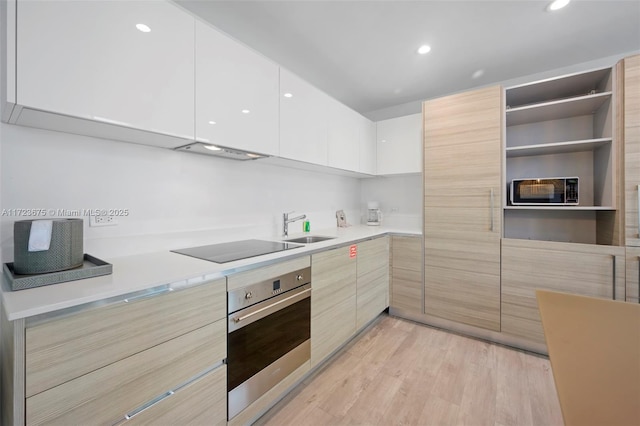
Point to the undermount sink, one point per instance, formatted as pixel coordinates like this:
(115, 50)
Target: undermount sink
(309, 239)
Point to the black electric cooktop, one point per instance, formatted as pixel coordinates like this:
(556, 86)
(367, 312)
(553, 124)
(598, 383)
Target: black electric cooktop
(236, 250)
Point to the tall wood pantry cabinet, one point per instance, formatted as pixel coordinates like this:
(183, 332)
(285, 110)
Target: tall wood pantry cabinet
(462, 220)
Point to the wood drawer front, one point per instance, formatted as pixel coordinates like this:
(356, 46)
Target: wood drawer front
(105, 395)
(407, 253)
(62, 349)
(372, 255)
(633, 274)
(406, 290)
(203, 402)
(371, 296)
(570, 268)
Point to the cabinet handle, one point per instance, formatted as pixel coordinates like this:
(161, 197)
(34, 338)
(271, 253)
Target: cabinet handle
(149, 294)
(491, 209)
(149, 404)
(638, 193)
(614, 277)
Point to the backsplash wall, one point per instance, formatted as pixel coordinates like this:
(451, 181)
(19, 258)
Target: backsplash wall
(174, 199)
(400, 199)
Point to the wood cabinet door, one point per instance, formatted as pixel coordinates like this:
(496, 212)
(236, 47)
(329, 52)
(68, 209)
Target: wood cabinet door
(527, 266)
(333, 301)
(632, 149)
(406, 274)
(633, 275)
(372, 280)
(88, 60)
(462, 207)
(236, 94)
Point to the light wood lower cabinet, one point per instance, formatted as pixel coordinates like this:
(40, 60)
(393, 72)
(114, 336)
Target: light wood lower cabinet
(406, 274)
(61, 349)
(98, 364)
(585, 269)
(372, 280)
(107, 395)
(633, 275)
(333, 301)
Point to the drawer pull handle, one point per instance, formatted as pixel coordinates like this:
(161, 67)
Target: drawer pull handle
(150, 294)
(491, 209)
(148, 405)
(614, 277)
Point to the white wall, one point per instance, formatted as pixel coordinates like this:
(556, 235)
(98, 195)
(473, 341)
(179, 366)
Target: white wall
(175, 199)
(400, 199)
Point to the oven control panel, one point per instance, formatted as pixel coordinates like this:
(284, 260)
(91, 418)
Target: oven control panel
(256, 293)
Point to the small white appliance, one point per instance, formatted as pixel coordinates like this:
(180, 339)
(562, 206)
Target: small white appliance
(374, 215)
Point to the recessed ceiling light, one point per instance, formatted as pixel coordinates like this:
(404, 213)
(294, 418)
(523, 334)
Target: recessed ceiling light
(288, 95)
(142, 27)
(245, 111)
(212, 122)
(253, 155)
(424, 49)
(212, 147)
(557, 4)
(477, 74)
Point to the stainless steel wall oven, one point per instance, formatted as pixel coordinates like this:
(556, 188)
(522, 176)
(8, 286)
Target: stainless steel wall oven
(268, 335)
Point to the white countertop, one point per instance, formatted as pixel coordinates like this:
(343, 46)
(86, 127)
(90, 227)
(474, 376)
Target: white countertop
(145, 271)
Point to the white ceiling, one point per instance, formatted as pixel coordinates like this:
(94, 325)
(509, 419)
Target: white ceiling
(363, 53)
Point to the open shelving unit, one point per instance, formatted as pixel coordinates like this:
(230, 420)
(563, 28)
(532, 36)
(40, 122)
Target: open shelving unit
(562, 127)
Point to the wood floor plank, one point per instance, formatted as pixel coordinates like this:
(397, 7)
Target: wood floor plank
(402, 373)
(545, 407)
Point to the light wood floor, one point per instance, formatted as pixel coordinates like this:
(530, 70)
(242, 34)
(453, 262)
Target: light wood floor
(402, 373)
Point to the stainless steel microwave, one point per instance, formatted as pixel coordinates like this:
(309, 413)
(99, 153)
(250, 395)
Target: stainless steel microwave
(544, 191)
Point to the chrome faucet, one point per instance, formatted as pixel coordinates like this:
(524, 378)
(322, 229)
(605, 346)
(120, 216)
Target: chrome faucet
(286, 221)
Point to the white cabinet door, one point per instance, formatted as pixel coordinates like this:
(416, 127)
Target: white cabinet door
(236, 94)
(399, 145)
(87, 59)
(367, 146)
(303, 120)
(344, 143)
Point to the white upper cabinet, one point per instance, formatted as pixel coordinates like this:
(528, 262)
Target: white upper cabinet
(303, 120)
(399, 145)
(89, 60)
(367, 146)
(344, 138)
(236, 94)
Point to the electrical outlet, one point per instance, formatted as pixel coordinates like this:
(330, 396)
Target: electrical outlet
(102, 220)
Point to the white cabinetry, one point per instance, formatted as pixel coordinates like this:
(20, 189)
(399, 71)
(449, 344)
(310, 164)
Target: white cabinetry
(88, 61)
(367, 146)
(236, 94)
(303, 120)
(344, 138)
(399, 145)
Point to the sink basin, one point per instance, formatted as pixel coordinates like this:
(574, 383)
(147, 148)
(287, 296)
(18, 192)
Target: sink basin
(309, 239)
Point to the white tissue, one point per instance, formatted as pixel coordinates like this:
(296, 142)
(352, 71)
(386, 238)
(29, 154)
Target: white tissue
(40, 235)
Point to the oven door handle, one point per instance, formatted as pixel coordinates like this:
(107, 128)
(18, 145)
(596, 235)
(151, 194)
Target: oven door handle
(263, 311)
